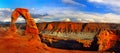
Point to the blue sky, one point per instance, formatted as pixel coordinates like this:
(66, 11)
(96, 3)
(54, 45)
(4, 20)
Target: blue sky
(82, 5)
(64, 10)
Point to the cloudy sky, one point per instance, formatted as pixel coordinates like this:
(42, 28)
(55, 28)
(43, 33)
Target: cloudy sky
(107, 11)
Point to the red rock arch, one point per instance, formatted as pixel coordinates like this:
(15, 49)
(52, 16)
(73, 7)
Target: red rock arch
(31, 27)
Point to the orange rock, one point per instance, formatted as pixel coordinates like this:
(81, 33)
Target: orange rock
(93, 27)
(41, 26)
(106, 39)
(49, 27)
(60, 27)
(31, 27)
(74, 26)
(22, 44)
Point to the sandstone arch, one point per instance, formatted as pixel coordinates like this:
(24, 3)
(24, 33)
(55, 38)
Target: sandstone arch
(31, 28)
(21, 45)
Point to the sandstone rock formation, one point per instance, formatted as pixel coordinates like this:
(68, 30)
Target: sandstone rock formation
(31, 27)
(108, 33)
(76, 27)
(12, 42)
(106, 39)
(60, 27)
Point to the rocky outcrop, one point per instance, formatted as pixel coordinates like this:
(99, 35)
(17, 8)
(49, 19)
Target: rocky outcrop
(76, 27)
(96, 27)
(12, 42)
(31, 27)
(60, 27)
(106, 39)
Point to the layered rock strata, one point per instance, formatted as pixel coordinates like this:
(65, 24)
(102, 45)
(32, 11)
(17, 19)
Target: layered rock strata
(12, 42)
(106, 33)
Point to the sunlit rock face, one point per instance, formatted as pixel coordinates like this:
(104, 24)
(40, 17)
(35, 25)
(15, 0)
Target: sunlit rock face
(13, 42)
(28, 41)
(76, 26)
(84, 33)
(106, 39)
(31, 27)
(53, 31)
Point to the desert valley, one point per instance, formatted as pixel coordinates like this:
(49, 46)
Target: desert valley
(57, 37)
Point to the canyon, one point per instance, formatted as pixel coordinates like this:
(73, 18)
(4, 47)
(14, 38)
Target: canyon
(63, 36)
(102, 35)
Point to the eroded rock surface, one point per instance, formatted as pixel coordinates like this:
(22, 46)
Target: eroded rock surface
(31, 27)
(106, 39)
(107, 33)
(12, 42)
(76, 26)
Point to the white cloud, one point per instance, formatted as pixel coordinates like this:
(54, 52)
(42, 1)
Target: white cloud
(1, 13)
(61, 14)
(66, 20)
(80, 16)
(5, 9)
(5, 19)
(33, 8)
(72, 2)
(96, 1)
(111, 4)
(37, 20)
(20, 20)
(107, 2)
(5, 14)
(90, 20)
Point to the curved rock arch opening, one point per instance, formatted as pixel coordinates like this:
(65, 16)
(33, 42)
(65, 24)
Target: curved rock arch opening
(31, 28)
